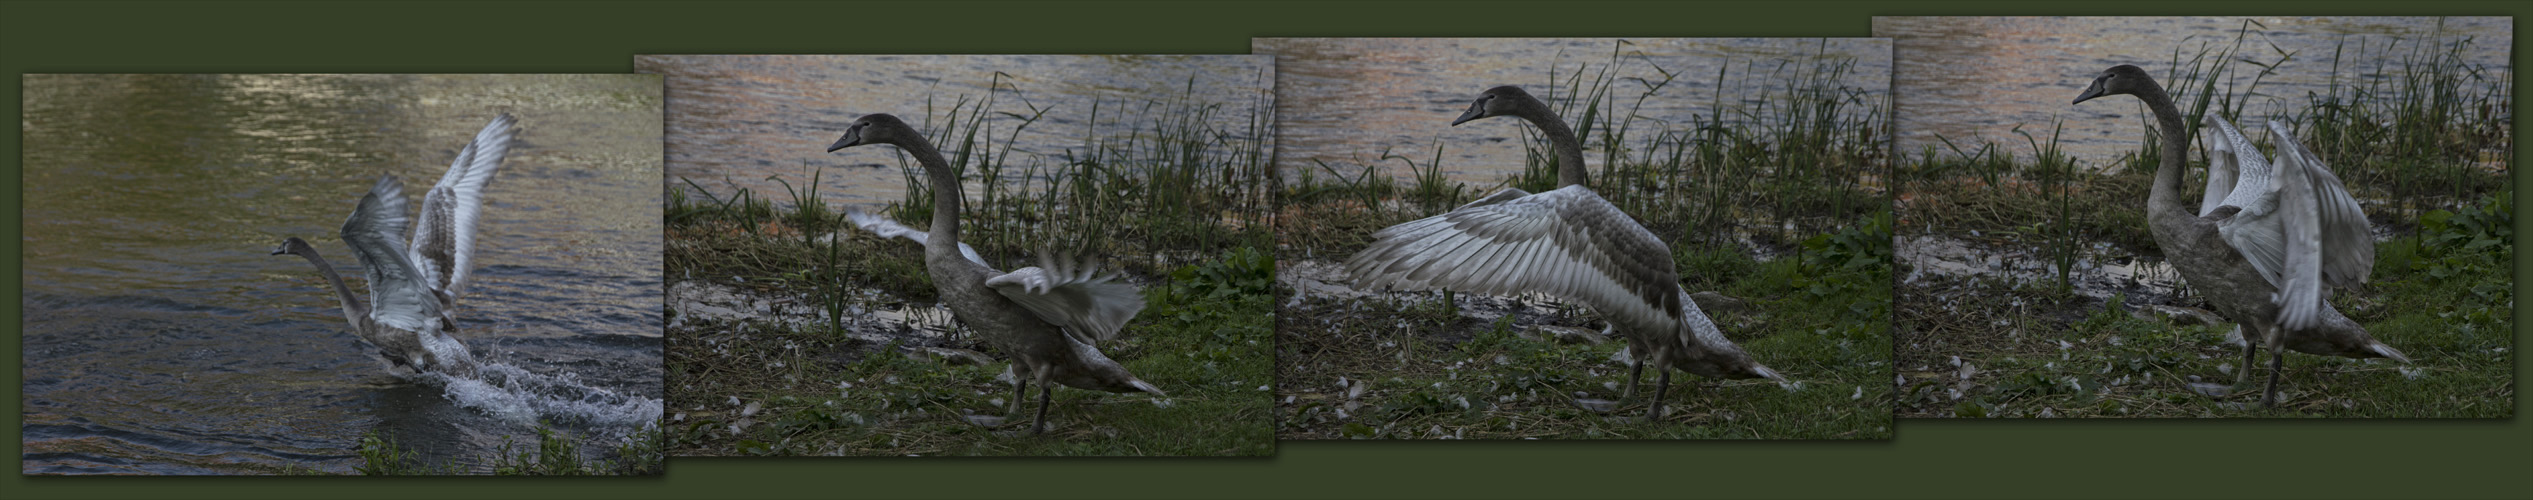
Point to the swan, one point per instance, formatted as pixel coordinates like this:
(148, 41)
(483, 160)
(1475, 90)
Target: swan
(2269, 239)
(1049, 319)
(413, 289)
(1567, 243)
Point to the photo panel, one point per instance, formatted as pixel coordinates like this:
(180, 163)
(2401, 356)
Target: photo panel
(2097, 213)
(971, 255)
(1530, 238)
(341, 274)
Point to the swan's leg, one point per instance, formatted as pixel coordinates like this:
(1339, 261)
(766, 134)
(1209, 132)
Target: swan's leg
(1662, 383)
(1046, 389)
(2277, 362)
(2251, 354)
(1044, 392)
(1635, 373)
(1019, 389)
(2272, 338)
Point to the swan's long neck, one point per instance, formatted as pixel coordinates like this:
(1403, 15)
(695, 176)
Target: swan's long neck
(1569, 150)
(943, 236)
(353, 311)
(2165, 195)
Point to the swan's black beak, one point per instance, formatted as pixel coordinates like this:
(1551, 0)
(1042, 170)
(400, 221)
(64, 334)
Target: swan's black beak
(1476, 110)
(2090, 92)
(850, 139)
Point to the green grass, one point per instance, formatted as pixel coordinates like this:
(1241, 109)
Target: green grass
(1202, 338)
(1434, 373)
(2445, 297)
(555, 453)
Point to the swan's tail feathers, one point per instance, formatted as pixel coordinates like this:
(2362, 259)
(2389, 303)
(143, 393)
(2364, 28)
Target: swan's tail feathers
(2384, 350)
(1767, 373)
(1147, 387)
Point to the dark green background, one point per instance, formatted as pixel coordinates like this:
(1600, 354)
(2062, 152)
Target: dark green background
(1937, 459)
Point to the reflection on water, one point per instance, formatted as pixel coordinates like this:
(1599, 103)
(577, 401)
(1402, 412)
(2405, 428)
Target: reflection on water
(1346, 101)
(741, 121)
(162, 338)
(1974, 79)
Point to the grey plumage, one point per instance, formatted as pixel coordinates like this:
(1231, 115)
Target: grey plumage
(410, 317)
(1048, 319)
(1567, 243)
(2263, 254)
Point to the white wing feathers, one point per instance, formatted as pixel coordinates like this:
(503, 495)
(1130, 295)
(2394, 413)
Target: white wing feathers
(2348, 256)
(398, 296)
(444, 243)
(1567, 243)
(2227, 152)
(891, 229)
(2256, 231)
(2298, 225)
(2325, 231)
(1090, 306)
(2252, 175)
(2300, 294)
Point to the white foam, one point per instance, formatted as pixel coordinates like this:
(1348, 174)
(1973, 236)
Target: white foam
(524, 397)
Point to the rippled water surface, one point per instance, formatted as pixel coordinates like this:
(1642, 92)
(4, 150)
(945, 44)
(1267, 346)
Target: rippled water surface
(161, 337)
(1974, 79)
(741, 121)
(1345, 101)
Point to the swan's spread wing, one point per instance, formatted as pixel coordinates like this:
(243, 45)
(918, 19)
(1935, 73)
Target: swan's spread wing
(2324, 234)
(2254, 232)
(891, 229)
(2251, 175)
(1508, 194)
(397, 295)
(2300, 287)
(2348, 245)
(1568, 243)
(445, 241)
(2226, 152)
(1069, 294)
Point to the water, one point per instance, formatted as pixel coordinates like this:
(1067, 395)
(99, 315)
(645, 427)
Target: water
(162, 338)
(741, 121)
(1344, 101)
(1974, 79)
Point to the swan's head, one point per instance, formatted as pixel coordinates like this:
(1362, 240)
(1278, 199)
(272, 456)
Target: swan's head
(875, 128)
(294, 246)
(2121, 79)
(1500, 101)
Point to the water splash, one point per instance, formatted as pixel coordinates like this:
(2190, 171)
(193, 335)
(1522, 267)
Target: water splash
(523, 397)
